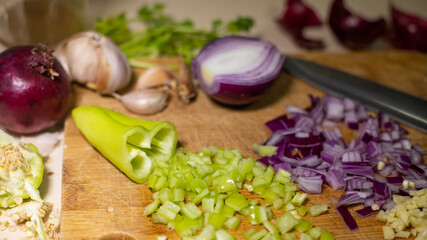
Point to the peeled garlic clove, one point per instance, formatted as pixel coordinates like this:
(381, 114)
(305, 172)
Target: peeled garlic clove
(154, 77)
(146, 101)
(94, 60)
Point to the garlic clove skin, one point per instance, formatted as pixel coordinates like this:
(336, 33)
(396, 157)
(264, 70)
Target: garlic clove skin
(94, 60)
(146, 101)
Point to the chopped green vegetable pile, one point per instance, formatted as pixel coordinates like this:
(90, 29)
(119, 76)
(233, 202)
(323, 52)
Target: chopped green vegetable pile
(202, 196)
(163, 35)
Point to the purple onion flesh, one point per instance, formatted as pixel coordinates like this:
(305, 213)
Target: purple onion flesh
(237, 70)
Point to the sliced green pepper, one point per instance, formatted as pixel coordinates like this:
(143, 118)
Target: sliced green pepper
(19, 164)
(133, 145)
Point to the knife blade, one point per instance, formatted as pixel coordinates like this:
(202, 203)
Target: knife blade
(402, 107)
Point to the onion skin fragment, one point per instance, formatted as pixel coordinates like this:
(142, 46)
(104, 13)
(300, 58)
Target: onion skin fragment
(352, 30)
(296, 17)
(408, 31)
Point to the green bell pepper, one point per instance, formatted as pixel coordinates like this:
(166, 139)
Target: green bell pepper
(133, 145)
(20, 164)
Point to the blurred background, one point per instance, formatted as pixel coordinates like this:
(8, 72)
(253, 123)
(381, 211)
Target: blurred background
(23, 21)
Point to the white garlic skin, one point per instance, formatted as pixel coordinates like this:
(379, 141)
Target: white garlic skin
(94, 60)
(146, 101)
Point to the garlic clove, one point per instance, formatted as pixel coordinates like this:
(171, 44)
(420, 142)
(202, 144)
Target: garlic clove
(154, 77)
(186, 86)
(146, 101)
(94, 60)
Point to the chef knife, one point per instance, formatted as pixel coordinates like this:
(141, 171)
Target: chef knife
(402, 107)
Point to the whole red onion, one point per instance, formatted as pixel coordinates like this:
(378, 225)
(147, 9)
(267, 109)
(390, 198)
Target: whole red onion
(35, 91)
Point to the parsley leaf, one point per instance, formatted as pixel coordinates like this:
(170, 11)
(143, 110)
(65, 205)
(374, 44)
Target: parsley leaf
(163, 35)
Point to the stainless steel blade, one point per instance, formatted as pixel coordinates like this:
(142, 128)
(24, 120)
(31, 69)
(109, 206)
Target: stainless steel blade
(402, 107)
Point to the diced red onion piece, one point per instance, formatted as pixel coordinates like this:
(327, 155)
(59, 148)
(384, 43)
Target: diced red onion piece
(310, 185)
(348, 219)
(365, 212)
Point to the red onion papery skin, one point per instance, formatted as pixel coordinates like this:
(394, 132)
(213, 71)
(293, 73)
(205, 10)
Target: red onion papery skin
(408, 31)
(353, 31)
(296, 17)
(31, 98)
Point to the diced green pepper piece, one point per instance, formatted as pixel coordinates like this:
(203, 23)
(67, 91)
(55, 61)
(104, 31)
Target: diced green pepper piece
(224, 183)
(246, 165)
(289, 207)
(152, 207)
(208, 233)
(217, 220)
(290, 236)
(186, 226)
(178, 195)
(316, 210)
(221, 234)
(326, 235)
(269, 197)
(270, 227)
(282, 176)
(165, 195)
(233, 223)
(305, 237)
(286, 222)
(255, 235)
(290, 187)
(208, 205)
(198, 198)
(278, 204)
(133, 145)
(264, 179)
(264, 150)
(299, 199)
(278, 189)
(190, 210)
(236, 201)
(303, 226)
(248, 233)
(315, 232)
(168, 210)
(227, 211)
(303, 210)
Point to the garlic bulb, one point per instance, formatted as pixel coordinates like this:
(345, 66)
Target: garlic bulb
(94, 60)
(145, 101)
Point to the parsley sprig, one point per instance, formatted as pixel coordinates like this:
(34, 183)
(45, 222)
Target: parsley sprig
(162, 35)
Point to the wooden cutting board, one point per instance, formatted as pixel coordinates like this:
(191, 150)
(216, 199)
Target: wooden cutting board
(99, 202)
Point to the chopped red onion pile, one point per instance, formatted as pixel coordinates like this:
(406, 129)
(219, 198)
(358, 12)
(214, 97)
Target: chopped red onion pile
(379, 162)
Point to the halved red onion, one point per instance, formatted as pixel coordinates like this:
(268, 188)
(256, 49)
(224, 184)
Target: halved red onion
(237, 70)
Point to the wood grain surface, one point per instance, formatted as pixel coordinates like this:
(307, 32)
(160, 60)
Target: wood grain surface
(99, 202)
